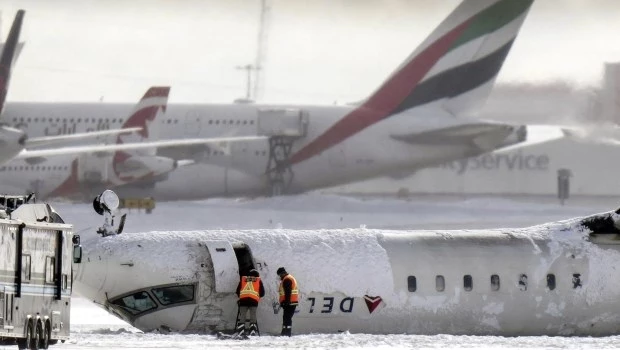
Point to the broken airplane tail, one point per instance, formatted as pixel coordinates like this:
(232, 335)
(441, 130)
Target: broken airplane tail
(455, 67)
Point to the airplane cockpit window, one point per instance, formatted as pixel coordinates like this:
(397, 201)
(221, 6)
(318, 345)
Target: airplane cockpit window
(174, 294)
(523, 282)
(576, 280)
(468, 283)
(495, 283)
(412, 283)
(551, 281)
(136, 303)
(440, 283)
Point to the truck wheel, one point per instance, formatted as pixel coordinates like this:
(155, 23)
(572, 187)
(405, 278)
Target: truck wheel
(36, 337)
(45, 337)
(25, 343)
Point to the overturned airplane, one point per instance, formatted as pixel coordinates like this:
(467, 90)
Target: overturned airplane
(553, 279)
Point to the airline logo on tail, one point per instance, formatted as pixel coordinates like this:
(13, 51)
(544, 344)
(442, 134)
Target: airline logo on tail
(144, 116)
(463, 53)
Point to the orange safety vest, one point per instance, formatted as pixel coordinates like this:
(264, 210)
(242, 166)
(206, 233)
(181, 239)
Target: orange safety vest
(250, 286)
(294, 290)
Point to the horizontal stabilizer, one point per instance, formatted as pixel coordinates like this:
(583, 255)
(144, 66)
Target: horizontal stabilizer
(46, 140)
(106, 149)
(455, 135)
(534, 135)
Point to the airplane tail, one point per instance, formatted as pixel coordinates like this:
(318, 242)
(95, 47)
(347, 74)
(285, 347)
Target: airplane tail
(458, 62)
(8, 56)
(144, 116)
(455, 67)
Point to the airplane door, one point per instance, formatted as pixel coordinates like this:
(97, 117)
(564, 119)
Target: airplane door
(192, 123)
(225, 266)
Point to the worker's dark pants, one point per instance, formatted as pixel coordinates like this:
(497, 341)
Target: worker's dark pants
(287, 319)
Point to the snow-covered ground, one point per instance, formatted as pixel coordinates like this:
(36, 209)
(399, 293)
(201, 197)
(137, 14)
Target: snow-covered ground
(94, 328)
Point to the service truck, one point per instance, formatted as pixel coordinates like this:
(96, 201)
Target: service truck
(37, 250)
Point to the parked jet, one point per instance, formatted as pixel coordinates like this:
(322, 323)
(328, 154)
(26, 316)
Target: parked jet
(552, 279)
(417, 118)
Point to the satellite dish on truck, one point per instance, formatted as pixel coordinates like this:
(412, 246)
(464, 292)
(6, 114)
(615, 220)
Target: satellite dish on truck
(107, 204)
(107, 201)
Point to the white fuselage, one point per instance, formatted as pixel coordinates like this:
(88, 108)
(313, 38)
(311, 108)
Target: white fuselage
(238, 168)
(554, 279)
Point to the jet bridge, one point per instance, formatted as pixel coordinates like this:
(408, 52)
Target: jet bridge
(283, 126)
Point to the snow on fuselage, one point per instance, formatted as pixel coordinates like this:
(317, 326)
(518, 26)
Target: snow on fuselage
(553, 279)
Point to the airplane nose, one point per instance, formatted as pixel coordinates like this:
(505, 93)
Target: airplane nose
(90, 273)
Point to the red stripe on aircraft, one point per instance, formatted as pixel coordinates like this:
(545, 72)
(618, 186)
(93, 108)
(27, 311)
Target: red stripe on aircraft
(70, 185)
(385, 100)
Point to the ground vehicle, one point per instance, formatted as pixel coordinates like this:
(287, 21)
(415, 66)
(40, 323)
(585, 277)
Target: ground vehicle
(37, 250)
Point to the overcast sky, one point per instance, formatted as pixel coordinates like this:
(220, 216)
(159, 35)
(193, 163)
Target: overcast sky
(317, 51)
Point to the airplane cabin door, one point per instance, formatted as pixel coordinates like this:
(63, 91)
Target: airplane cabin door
(192, 123)
(225, 266)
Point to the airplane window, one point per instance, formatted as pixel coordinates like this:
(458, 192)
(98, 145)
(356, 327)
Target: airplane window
(576, 280)
(114, 120)
(36, 120)
(50, 120)
(245, 122)
(551, 281)
(176, 121)
(217, 122)
(79, 120)
(57, 120)
(72, 120)
(174, 294)
(28, 120)
(468, 283)
(494, 283)
(256, 152)
(523, 282)
(440, 283)
(412, 284)
(238, 121)
(136, 303)
(231, 122)
(251, 122)
(210, 121)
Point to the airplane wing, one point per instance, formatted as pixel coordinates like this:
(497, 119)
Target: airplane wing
(33, 155)
(46, 140)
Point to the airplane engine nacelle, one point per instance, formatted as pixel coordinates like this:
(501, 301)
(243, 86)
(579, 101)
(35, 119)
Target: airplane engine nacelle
(12, 142)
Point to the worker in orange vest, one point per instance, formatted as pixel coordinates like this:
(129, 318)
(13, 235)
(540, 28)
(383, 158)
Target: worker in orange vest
(250, 289)
(289, 298)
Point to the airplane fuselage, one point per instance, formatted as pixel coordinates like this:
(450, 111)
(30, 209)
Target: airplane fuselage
(553, 279)
(238, 168)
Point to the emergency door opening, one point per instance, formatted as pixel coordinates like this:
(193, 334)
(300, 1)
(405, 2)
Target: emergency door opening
(244, 258)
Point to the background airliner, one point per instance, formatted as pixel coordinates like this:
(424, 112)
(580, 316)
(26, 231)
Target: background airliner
(419, 117)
